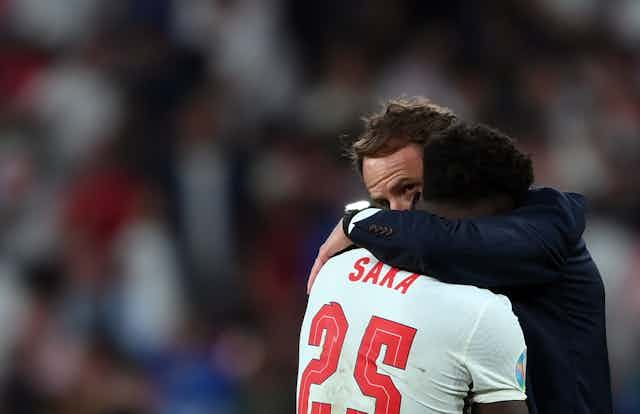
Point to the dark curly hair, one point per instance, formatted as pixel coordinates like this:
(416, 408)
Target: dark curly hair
(472, 162)
(401, 121)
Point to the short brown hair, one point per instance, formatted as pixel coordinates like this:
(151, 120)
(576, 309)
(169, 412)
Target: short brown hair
(400, 122)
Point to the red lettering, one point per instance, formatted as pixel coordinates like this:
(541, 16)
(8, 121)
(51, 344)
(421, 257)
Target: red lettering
(331, 324)
(381, 335)
(407, 282)
(388, 278)
(320, 408)
(359, 267)
(374, 273)
(396, 340)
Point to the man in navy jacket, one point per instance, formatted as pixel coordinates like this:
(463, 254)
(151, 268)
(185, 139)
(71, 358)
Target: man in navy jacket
(533, 253)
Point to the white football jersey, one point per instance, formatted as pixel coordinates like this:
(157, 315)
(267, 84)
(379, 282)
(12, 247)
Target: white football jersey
(378, 340)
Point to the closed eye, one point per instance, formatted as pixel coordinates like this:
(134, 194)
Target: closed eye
(409, 187)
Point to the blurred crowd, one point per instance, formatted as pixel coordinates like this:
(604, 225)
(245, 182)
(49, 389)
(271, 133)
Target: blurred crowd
(168, 170)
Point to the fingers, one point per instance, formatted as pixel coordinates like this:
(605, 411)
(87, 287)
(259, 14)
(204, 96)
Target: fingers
(333, 245)
(317, 265)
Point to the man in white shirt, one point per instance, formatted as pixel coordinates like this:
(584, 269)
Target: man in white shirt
(376, 339)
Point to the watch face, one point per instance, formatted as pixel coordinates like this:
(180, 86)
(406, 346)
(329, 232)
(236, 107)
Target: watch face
(358, 205)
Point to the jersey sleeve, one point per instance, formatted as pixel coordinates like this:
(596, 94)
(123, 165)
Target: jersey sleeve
(496, 355)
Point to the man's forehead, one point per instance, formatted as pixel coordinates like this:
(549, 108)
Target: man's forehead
(405, 162)
(408, 155)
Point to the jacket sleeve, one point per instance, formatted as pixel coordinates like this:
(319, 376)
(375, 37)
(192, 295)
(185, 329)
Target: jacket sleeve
(527, 246)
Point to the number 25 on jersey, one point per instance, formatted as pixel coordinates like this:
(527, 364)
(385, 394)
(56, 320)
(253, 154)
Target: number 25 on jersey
(396, 337)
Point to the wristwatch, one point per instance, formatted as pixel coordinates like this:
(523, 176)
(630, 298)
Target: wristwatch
(351, 210)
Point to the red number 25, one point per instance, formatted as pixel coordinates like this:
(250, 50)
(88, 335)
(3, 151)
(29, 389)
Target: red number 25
(398, 339)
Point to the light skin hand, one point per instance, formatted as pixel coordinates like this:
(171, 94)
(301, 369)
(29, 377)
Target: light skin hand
(337, 241)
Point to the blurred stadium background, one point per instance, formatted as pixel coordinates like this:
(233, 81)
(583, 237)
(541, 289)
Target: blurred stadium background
(169, 168)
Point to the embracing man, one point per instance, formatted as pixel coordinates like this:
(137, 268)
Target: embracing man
(532, 251)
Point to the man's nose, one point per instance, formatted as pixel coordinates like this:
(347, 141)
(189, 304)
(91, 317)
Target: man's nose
(400, 203)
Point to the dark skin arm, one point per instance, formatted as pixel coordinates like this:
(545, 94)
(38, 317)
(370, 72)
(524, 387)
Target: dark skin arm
(504, 407)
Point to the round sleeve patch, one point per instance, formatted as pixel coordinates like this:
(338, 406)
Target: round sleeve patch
(521, 371)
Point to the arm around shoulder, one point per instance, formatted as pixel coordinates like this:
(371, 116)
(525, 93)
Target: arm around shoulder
(526, 246)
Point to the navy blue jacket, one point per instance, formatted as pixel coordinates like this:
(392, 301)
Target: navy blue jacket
(536, 256)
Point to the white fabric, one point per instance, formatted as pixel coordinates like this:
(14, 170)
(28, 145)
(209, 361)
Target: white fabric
(363, 215)
(465, 335)
(152, 305)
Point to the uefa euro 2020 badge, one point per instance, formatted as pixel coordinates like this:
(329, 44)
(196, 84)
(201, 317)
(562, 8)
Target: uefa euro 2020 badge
(521, 371)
